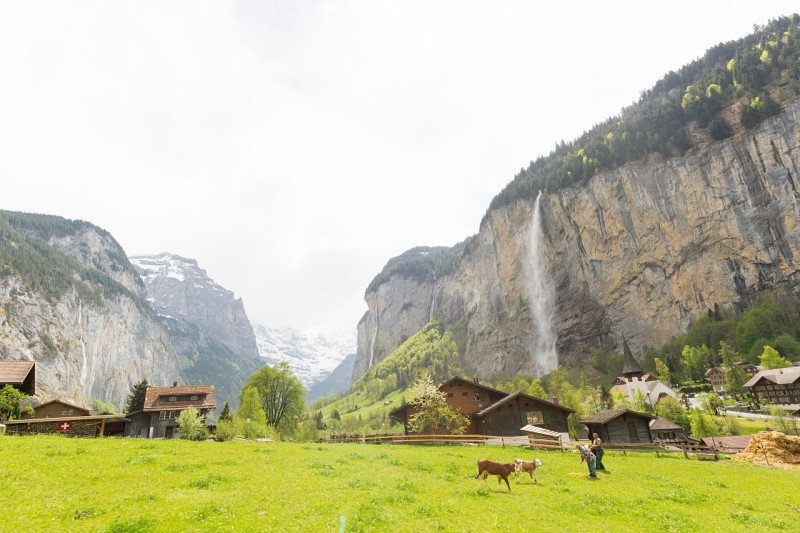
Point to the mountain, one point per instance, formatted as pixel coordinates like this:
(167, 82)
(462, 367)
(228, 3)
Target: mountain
(71, 301)
(312, 356)
(207, 325)
(337, 382)
(640, 247)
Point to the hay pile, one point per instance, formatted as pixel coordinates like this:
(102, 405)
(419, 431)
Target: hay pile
(772, 447)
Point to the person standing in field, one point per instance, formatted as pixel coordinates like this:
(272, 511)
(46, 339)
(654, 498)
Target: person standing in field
(597, 450)
(588, 456)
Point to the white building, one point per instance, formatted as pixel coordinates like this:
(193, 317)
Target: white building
(633, 378)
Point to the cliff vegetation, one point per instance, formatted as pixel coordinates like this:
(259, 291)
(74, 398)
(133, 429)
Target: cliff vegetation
(734, 86)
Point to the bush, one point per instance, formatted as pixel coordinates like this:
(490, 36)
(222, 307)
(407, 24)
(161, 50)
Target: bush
(192, 425)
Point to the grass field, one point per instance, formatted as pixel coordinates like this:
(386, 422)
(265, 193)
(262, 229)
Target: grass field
(53, 483)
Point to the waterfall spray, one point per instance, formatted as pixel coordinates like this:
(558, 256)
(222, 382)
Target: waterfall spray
(541, 294)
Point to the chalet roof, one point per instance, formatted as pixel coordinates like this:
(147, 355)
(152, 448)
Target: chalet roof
(530, 428)
(157, 398)
(510, 397)
(473, 383)
(15, 372)
(663, 424)
(779, 376)
(603, 417)
(65, 403)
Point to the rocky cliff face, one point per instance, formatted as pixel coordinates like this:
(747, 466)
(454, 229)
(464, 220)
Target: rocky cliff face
(89, 342)
(206, 323)
(639, 251)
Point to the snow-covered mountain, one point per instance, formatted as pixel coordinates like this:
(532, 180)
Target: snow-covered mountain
(312, 357)
(206, 322)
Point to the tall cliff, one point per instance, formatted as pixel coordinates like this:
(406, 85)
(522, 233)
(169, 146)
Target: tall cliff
(639, 251)
(71, 301)
(207, 324)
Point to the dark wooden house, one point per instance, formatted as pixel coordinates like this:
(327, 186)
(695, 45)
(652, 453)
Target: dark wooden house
(163, 405)
(667, 432)
(494, 412)
(776, 386)
(620, 425)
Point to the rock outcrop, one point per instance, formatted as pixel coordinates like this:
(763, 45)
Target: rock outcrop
(91, 339)
(207, 325)
(640, 251)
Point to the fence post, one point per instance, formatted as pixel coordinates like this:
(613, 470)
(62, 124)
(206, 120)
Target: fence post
(684, 447)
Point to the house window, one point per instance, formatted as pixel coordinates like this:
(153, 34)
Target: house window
(476, 396)
(168, 415)
(534, 417)
(66, 412)
(449, 394)
(173, 398)
(465, 394)
(193, 397)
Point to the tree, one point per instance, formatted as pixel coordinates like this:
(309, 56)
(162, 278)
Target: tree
(712, 403)
(282, 395)
(783, 421)
(10, 399)
(671, 409)
(250, 406)
(663, 371)
(691, 358)
(104, 408)
(226, 412)
(192, 425)
(135, 400)
(735, 376)
(431, 411)
(770, 358)
(702, 426)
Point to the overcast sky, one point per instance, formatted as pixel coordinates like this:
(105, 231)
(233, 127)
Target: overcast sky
(293, 147)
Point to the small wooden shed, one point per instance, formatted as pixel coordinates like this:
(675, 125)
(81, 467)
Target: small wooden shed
(620, 425)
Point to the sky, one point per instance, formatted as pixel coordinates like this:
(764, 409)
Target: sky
(293, 147)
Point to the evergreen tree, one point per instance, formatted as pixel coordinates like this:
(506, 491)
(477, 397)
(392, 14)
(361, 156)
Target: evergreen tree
(135, 400)
(226, 412)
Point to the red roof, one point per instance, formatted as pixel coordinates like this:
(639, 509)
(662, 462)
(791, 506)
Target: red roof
(157, 398)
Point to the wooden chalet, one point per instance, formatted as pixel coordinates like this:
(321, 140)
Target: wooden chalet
(776, 386)
(19, 374)
(163, 405)
(716, 378)
(56, 409)
(667, 432)
(620, 425)
(494, 412)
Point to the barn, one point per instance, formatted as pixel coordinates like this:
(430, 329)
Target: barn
(620, 425)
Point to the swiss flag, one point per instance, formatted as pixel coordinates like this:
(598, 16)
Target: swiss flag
(65, 426)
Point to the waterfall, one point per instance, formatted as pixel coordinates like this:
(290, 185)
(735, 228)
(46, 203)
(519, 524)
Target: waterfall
(541, 294)
(84, 362)
(374, 338)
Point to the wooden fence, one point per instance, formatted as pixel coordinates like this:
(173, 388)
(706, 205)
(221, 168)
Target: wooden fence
(688, 450)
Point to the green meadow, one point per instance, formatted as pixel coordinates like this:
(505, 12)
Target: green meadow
(52, 483)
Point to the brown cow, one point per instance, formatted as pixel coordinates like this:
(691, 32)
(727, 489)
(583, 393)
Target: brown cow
(526, 466)
(495, 468)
